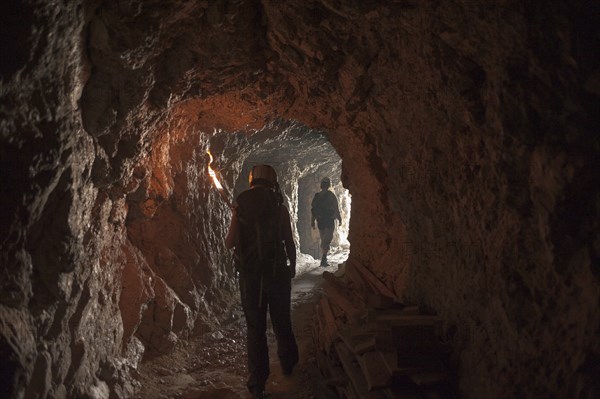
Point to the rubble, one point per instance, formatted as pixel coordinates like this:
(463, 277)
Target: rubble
(371, 346)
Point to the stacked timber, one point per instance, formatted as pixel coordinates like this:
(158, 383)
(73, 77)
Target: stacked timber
(371, 346)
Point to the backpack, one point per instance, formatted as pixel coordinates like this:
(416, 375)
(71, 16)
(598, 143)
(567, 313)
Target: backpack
(260, 250)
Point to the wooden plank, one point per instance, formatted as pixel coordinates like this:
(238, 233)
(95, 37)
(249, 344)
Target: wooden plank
(357, 279)
(335, 374)
(376, 374)
(338, 314)
(392, 335)
(365, 345)
(390, 361)
(320, 333)
(361, 287)
(341, 299)
(321, 360)
(339, 379)
(354, 373)
(319, 317)
(328, 314)
(378, 301)
(350, 392)
(377, 285)
(315, 332)
(325, 334)
(342, 287)
(357, 339)
(338, 282)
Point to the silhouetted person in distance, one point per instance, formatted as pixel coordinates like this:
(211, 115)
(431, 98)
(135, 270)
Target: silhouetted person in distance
(261, 233)
(324, 208)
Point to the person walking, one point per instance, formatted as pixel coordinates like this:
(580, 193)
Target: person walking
(261, 233)
(325, 210)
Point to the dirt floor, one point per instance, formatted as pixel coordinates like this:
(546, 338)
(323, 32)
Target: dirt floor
(213, 366)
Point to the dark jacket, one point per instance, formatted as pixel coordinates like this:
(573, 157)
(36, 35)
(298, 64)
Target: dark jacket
(324, 209)
(263, 236)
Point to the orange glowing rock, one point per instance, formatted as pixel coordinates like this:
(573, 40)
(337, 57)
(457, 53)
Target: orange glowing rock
(212, 173)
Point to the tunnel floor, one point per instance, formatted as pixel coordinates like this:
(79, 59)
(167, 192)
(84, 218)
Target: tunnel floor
(213, 365)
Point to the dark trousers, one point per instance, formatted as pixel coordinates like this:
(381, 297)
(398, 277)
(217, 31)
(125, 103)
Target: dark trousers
(276, 298)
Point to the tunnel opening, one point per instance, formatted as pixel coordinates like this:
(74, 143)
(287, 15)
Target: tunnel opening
(301, 156)
(179, 280)
(177, 223)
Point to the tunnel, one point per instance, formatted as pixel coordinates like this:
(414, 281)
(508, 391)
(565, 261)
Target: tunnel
(461, 138)
(301, 157)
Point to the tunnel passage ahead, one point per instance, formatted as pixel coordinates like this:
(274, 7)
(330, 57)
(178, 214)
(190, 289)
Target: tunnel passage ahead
(302, 157)
(177, 220)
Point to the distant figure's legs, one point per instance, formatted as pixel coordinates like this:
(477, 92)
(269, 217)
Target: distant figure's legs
(326, 237)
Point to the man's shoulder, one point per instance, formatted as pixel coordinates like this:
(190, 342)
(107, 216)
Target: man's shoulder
(330, 194)
(317, 196)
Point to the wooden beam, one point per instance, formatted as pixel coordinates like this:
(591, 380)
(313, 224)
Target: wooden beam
(354, 373)
(360, 286)
(378, 301)
(338, 296)
(357, 340)
(377, 285)
(375, 372)
(323, 334)
(328, 315)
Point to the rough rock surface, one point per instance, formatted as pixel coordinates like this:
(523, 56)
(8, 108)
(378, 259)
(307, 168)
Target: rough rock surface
(467, 133)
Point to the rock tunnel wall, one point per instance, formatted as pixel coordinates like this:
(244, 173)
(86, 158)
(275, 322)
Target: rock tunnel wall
(465, 155)
(467, 134)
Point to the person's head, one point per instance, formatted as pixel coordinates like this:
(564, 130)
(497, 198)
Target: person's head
(262, 175)
(325, 183)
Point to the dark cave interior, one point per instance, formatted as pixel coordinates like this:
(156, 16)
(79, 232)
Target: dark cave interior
(464, 132)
